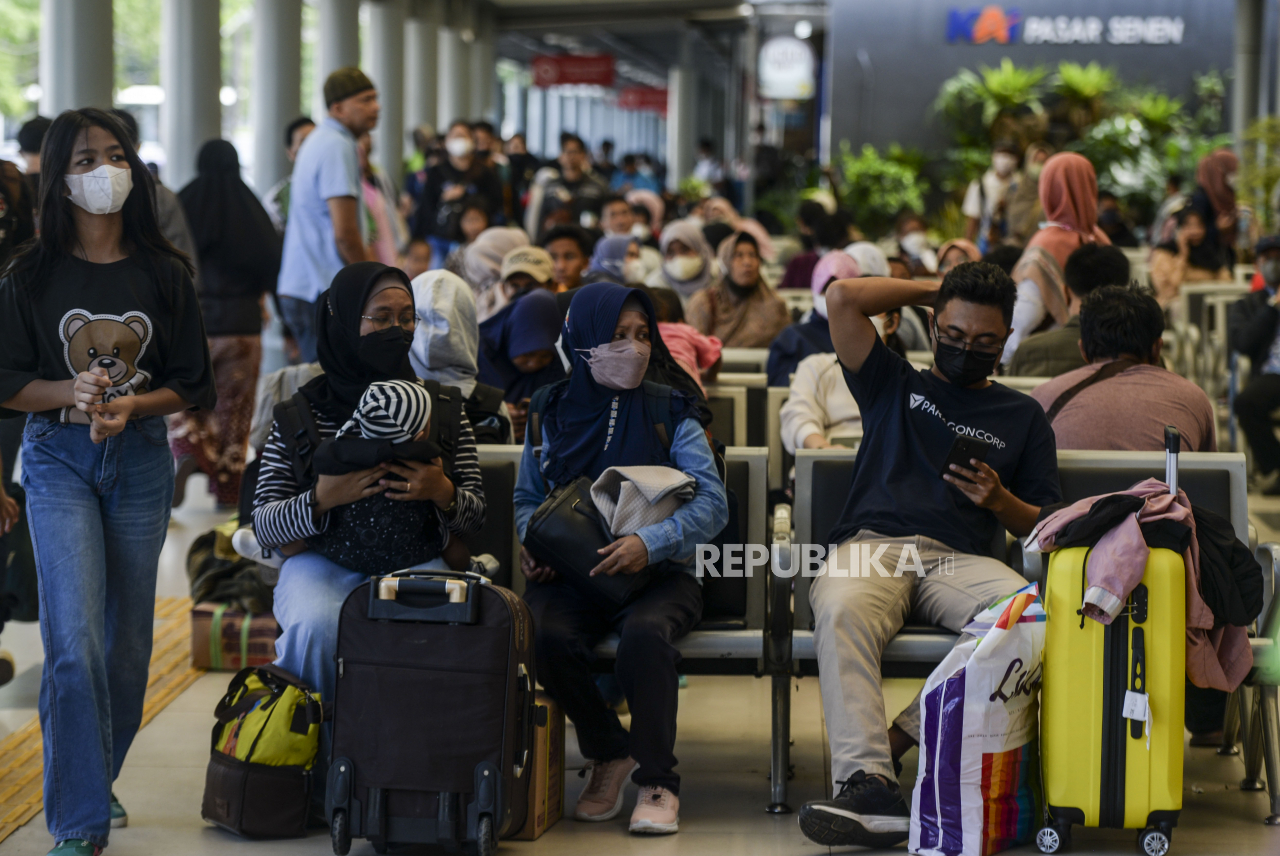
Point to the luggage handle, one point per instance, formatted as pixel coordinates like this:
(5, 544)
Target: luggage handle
(455, 591)
(1172, 445)
(458, 601)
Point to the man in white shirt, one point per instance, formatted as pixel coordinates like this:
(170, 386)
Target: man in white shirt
(983, 205)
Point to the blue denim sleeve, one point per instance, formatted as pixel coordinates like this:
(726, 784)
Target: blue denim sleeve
(530, 490)
(701, 518)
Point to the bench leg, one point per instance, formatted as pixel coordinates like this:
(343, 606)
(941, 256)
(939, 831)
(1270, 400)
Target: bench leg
(780, 762)
(1231, 723)
(1253, 748)
(1269, 713)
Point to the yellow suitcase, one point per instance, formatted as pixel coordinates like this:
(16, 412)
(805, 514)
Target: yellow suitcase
(1101, 769)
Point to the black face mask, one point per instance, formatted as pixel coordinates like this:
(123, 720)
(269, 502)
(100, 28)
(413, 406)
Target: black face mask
(962, 366)
(807, 241)
(385, 350)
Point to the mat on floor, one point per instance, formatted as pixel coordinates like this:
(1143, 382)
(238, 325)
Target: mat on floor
(21, 753)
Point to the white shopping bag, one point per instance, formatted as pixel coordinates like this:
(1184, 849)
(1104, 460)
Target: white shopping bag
(977, 791)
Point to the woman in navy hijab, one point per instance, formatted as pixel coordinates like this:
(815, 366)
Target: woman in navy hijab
(597, 419)
(517, 351)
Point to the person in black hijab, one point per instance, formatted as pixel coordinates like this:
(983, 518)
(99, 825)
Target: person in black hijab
(364, 325)
(238, 259)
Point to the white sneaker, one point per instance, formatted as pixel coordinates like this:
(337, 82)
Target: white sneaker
(245, 543)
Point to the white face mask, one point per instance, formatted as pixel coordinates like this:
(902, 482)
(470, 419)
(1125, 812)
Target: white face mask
(101, 191)
(1003, 163)
(915, 243)
(633, 270)
(683, 268)
(459, 147)
(641, 231)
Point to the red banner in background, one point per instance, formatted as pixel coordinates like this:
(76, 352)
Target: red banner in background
(643, 98)
(593, 70)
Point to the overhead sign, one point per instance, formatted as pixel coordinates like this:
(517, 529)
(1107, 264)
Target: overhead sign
(591, 70)
(786, 69)
(1005, 25)
(643, 98)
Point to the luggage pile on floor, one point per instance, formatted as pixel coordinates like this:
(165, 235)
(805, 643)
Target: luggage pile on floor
(232, 626)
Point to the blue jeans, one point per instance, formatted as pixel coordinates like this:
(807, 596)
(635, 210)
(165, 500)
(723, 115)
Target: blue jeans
(300, 317)
(98, 517)
(308, 602)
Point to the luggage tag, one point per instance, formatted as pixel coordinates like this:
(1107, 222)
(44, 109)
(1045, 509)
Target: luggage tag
(1137, 708)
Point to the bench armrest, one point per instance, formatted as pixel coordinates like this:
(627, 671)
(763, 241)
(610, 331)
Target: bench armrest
(1266, 665)
(778, 616)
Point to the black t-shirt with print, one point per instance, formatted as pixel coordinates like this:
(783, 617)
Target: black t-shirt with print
(910, 419)
(137, 319)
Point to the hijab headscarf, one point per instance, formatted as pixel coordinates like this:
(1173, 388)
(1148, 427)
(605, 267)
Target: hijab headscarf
(835, 264)
(530, 323)
(739, 316)
(871, 259)
(609, 256)
(719, 209)
(482, 265)
(584, 434)
(230, 227)
(1211, 176)
(447, 338)
(652, 201)
(336, 393)
(727, 247)
(690, 234)
(1069, 197)
(969, 248)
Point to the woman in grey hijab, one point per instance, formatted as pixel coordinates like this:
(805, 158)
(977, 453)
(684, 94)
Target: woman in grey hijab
(482, 266)
(444, 349)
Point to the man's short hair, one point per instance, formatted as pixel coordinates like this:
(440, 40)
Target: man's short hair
(980, 283)
(628, 161)
(1093, 266)
(613, 199)
(459, 123)
(1119, 319)
(130, 123)
(1003, 257)
(568, 137)
(574, 233)
(487, 127)
(31, 134)
(292, 127)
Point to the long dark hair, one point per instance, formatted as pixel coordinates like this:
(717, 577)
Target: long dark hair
(57, 239)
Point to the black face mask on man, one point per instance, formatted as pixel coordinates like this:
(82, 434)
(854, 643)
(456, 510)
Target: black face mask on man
(962, 366)
(1270, 268)
(385, 350)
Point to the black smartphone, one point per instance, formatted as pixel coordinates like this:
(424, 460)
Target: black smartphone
(962, 450)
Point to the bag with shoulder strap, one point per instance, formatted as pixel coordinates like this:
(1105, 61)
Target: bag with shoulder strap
(1110, 370)
(567, 530)
(484, 411)
(264, 746)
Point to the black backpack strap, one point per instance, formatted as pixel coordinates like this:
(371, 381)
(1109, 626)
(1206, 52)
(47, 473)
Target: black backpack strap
(657, 400)
(446, 409)
(301, 436)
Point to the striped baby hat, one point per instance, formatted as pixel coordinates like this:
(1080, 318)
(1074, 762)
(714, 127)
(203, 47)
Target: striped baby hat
(394, 410)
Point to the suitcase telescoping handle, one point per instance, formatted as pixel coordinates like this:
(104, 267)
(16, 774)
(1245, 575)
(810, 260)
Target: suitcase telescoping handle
(436, 597)
(1172, 445)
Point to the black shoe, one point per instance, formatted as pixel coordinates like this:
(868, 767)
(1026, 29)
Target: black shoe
(867, 812)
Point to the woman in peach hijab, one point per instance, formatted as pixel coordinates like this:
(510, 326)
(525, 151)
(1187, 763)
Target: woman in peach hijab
(1069, 196)
(955, 252)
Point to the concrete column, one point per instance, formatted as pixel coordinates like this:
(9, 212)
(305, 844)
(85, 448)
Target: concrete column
(483, 75)
(190, 72)
(552, 126)
(387, 34)
(751, 108)
(454, 94)
(338, 47)
(1244, 89)
(277, 85)
(682, 89)
(422, 59)
(77, 57)
(535, 120)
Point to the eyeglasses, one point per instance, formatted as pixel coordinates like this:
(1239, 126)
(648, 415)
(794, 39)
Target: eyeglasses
(986, 349)
(383, 320)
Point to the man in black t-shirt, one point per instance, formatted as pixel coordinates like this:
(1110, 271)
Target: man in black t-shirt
(914, 542)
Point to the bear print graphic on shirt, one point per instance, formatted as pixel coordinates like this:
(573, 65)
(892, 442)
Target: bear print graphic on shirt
(113, 343)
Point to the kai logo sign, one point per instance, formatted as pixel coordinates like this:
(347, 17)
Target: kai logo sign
(983, 24)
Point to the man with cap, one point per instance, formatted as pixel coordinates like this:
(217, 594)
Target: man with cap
(30, 139)
(524, 269)
(323, 233)
(1253, 329)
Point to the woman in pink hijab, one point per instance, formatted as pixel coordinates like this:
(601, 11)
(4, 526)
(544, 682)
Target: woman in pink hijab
(1069, 197)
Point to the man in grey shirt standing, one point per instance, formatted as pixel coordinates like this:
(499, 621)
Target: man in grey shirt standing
(323, 233)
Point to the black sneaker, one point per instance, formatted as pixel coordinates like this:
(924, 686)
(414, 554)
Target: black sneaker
(866, 812)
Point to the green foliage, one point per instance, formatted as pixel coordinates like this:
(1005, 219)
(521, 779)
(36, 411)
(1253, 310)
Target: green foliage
(19, 39)
(971, 102)
(692, 188)
(1211, 94)
(136, 31)
(1084, 83)
(1260, 170)
(877, 188)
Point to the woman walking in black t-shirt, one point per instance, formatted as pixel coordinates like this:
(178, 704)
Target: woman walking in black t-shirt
(100, 337)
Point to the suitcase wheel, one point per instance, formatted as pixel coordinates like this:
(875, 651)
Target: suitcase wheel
(1054, 839)
(1153, 842)
(340, 832)
(486, 844)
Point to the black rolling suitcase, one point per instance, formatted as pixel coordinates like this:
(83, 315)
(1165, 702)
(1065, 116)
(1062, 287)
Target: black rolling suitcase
(433, 719)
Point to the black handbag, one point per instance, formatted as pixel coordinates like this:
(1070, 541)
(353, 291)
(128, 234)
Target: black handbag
(566, 532)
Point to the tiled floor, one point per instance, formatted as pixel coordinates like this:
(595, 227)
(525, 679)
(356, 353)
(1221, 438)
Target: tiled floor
(723, 749)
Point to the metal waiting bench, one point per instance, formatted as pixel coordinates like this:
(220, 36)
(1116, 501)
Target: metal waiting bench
(728, 406)
(1216, 481)
(744, 359)
(732, 638)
